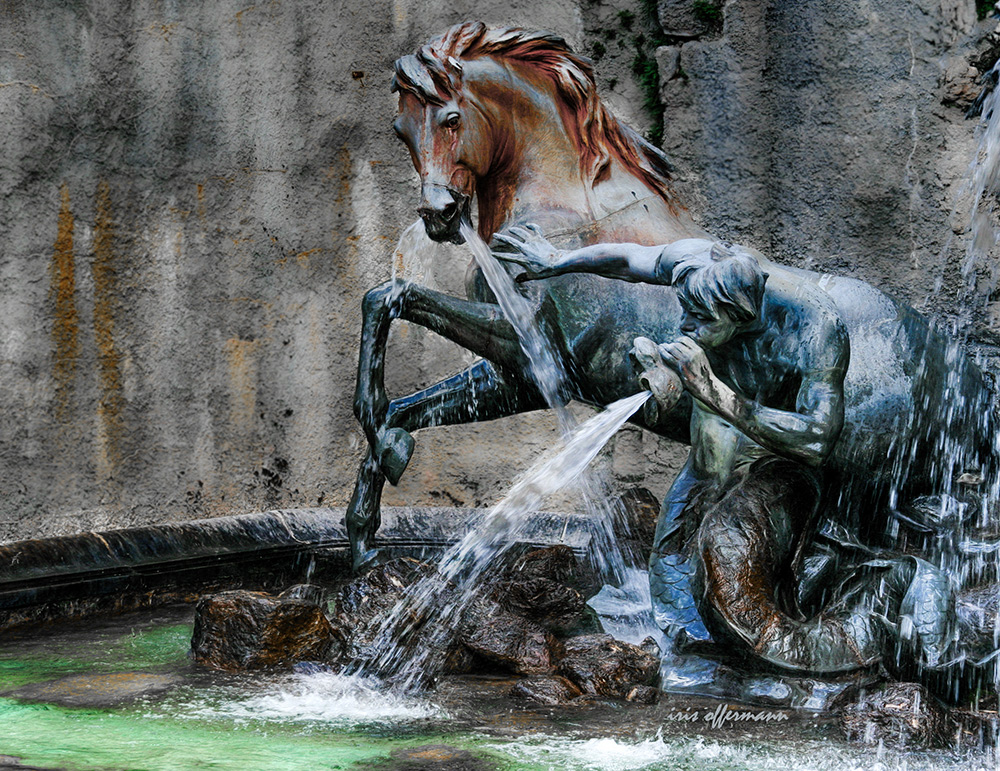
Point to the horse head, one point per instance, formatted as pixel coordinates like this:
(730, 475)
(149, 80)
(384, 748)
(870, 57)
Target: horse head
(512, 117)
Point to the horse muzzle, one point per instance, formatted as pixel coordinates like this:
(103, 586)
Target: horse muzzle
(442, 209)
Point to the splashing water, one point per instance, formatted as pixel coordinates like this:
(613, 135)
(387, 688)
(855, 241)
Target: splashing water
(324, 698)
(435, 605)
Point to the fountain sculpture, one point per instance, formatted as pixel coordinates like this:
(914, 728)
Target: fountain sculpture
(843, 415)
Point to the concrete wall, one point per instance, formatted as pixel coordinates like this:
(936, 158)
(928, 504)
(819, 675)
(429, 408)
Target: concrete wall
(194, 197)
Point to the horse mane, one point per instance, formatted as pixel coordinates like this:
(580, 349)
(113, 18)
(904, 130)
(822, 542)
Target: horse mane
(434, 73)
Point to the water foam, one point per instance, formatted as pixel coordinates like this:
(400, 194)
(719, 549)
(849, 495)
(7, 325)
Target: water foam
(614, 754)
(321, 698)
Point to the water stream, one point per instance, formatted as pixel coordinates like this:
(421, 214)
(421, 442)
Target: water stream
(434, 607)
(547, 371)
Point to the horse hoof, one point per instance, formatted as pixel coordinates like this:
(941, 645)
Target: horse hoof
(364, 561)
(395, 449)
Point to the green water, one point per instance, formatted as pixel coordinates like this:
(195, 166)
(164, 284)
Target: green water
(151, 648)
(49, 736)
(285, 722)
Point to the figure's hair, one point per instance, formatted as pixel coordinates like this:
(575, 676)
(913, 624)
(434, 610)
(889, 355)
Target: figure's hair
(720, 277)
(434, 74)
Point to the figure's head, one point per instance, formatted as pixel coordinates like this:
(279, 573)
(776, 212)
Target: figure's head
(721, 290)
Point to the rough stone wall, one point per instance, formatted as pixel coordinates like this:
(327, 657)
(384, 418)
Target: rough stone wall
(194, 197)
(825, 133)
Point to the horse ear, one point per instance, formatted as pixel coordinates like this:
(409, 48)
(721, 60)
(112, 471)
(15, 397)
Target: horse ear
(599, 167)
(460, 38)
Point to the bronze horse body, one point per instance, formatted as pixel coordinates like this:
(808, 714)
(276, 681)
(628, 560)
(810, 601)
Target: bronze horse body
(511, 118)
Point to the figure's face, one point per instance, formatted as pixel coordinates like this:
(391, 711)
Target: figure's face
(708, 332)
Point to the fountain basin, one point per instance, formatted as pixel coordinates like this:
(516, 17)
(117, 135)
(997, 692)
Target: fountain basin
(116, 570)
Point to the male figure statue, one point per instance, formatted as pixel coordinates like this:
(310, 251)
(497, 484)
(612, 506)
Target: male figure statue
(764, 358)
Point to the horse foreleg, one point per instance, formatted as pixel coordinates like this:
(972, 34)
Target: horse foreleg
(478, 393)
(483, 392)
(479, 327)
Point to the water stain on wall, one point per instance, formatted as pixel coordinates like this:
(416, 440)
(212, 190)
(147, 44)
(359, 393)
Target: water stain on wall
(66, 321)
(103, 265)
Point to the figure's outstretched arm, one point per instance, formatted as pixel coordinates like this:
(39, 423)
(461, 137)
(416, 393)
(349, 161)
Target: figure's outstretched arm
(627, 262)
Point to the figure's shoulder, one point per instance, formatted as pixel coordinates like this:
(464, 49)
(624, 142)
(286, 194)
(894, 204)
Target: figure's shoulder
(807, 320)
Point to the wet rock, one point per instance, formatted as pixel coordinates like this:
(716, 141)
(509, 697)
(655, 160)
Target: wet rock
(599, 664)
(550, 690)
(978, 611)
(556, 563)
(242, 630)
(553, 605)
(11, 763)
(512, 642)
(363, 603)
(430, 757)
(639, 511)
(652, 647)
(96, 691)
(317, 595)
(370, 610)
(535, 587)
(898, 715)
(643, 694)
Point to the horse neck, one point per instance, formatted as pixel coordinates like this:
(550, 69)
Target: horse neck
(621, 208)
(536, 177)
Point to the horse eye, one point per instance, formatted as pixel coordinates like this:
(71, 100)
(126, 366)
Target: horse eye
(452, 120)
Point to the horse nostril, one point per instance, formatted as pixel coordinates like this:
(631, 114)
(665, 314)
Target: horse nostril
(438, 203)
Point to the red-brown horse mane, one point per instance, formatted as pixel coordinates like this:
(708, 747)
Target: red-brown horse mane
(434, 73)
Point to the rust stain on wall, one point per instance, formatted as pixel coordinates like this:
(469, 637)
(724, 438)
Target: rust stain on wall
(103, 265)
(201, 203)
(66, 321)
(241, 356)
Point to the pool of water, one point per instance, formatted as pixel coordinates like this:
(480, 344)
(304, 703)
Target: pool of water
(121, 694)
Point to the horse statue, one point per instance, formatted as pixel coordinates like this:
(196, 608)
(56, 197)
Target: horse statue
(510, 118)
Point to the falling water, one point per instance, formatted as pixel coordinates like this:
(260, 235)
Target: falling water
(982, 185)
(547, 371)
(435, 605)
(544, 367)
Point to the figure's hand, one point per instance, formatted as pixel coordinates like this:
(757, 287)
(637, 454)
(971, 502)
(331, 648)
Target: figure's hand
(688, 359)
(536, 255)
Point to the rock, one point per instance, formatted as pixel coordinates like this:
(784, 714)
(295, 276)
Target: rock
(600, 664)
(643, 694)
(369, 607)
(639, 510)
(898, 715)
(684, 18)
(317, 595)
(366, 601)
(96, 691)
(553, 605)
(652, 647)
(556, 563)
(668, 62)
(430, 757)
(242, 630)
(512, 642)
(550, 690)
(535, 587)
